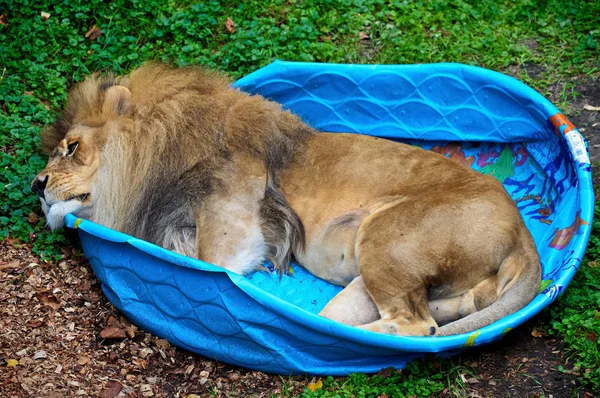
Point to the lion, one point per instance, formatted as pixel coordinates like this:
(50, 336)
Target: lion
(424, 246)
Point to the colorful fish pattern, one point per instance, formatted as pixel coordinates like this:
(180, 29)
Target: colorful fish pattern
(562, 237)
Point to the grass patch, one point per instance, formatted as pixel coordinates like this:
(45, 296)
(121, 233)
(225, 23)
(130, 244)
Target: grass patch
(575, 315)
(422, 378)
(41, 58)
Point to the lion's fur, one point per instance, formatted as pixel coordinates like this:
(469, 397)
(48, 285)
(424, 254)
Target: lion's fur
(186, 162)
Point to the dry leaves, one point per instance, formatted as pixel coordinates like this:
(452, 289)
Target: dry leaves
(115, 330)
(111, 389)
(41, 354)
(59, 308)
(385, 373)
(36, 323)
(45, 16)
(49, 300)
(162, 344)
(538, 333)
(93, 33)
(230, 25)
(33, 218)
(363, 36)
(146, 390)
(470, 380)
(11, 265)
(591, 108)
(593, 337)
(3, 20)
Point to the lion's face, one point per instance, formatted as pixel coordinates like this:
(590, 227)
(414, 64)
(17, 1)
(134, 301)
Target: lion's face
(65, 185)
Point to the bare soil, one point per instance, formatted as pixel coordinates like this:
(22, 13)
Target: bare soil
(60, 337)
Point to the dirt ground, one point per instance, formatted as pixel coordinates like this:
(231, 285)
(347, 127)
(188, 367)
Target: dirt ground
(60, 337)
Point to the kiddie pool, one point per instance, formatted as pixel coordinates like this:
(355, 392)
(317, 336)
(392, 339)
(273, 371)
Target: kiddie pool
(482, 119)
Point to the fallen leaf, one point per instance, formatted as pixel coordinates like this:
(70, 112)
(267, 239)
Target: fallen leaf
(26, 361)
(93, 33)
(146, 390)
(385, 373)
(538, 333)
(3, 20)
(35, 323)
(12, 363)
(162, 343)
(11, 265)
(591, 108)
(111, 389)
(33, 218)
(315, 386)
(472, 380)
(230, 25)
(83, 360)
(49, 300)
(591, 336)
(41, 354)
(384, 395)
(130, 332)
(112, 332)
(363, 36)
(45, 103)
(44, 15)
(144, 352)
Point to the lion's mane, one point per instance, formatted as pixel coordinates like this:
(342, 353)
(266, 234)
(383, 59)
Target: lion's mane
(186, 125)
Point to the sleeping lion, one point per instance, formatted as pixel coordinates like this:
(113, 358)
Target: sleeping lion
(175, 156)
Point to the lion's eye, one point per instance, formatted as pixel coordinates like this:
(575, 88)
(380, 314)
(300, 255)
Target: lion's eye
(72, 147)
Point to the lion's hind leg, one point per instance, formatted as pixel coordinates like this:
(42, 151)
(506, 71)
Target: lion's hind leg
(352, 306)
(395, 273)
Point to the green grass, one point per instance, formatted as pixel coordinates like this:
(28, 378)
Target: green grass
(40, 59)
(575, 316)
(422, 378)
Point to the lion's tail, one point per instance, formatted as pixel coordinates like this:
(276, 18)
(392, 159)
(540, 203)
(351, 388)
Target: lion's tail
(512, 300)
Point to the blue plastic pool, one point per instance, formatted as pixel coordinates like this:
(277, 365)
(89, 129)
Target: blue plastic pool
(483, 119)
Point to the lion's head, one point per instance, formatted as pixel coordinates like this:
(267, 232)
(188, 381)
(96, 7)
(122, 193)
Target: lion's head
(95, 110)
(138, 153)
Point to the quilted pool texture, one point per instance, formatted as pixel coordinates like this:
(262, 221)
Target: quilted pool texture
(483, 119)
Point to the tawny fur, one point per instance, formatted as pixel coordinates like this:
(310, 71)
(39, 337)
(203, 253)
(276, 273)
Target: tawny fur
(177, 157)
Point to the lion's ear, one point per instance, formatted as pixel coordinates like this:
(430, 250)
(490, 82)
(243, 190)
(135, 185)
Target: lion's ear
(117, 101)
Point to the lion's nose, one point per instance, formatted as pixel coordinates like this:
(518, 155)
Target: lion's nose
(38, 186)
